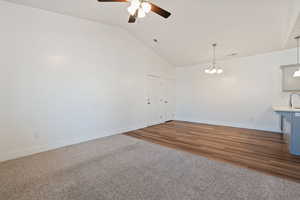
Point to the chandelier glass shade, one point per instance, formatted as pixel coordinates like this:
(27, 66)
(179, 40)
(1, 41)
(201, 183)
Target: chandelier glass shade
(297, 74)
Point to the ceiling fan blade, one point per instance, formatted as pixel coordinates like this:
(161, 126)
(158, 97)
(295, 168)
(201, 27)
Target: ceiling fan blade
(112, 0)
(160, 11)
(132, 18)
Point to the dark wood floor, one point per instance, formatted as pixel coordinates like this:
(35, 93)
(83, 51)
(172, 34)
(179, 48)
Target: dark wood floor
(258, 150)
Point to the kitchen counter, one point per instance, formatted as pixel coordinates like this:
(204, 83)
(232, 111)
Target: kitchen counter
(285, 109)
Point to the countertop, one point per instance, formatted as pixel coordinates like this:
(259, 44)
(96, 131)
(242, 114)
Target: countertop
(285, 109)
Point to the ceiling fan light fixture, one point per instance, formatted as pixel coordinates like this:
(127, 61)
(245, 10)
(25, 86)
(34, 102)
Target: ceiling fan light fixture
(135, 4)
(146, 7)
(131, 10)
(141, 13)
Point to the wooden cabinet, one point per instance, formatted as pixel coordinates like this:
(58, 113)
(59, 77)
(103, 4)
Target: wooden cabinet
(295, 134)
(291, 130)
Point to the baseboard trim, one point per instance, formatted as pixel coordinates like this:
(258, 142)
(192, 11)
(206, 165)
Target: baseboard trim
(229, 124)
(6, 156)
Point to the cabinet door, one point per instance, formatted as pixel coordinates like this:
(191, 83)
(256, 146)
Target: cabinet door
(287, 128)
(288, 131)
(295, 137)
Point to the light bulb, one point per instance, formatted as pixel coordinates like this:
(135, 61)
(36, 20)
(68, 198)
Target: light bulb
(297, 74)
(131, 10)
(135, 4)
(207, 71)
(141, 13)
(213, 71)
(146, 7)
(219, 71)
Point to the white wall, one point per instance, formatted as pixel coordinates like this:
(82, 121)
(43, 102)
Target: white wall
(65, 80)
(242, 97)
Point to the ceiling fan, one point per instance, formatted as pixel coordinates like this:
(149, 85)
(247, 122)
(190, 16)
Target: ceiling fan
(139, 8)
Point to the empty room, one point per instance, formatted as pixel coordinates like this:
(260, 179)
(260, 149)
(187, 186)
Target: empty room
(150, 100)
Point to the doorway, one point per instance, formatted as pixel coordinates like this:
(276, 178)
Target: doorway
(160, 100)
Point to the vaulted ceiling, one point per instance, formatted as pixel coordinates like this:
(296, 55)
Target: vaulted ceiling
(246, 27)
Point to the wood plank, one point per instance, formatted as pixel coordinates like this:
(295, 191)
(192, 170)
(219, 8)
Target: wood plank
(258, 150)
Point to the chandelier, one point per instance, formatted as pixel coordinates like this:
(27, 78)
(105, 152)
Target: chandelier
(297, 73)
(213, 68)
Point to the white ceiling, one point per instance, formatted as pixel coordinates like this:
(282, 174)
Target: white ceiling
(293, 29)
(247, 27)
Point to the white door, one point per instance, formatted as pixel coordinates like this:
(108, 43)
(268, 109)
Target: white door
(154, 101)
(169, 99)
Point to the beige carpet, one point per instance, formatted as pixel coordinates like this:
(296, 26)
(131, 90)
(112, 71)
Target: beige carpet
(124, 168)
